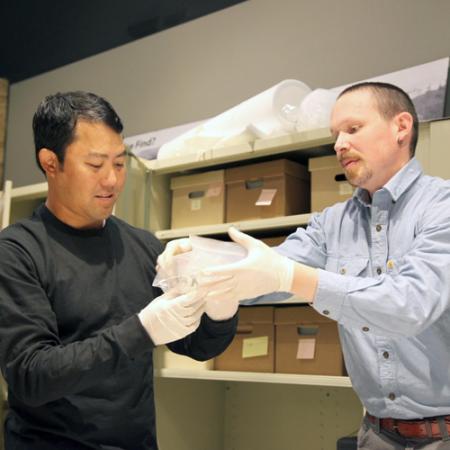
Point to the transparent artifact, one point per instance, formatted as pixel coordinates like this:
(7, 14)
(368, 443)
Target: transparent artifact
(182, 273)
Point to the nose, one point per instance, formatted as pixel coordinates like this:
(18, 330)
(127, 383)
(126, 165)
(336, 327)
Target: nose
(110, 177)
(341, 143)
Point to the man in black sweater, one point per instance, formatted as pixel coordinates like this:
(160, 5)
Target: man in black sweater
(79, 317)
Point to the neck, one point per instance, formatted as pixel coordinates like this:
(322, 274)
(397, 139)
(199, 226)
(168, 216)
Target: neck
(66, 216)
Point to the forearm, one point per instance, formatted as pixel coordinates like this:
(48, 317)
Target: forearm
(209, 340)
(389, 305)
(305, 280)
(40, 372)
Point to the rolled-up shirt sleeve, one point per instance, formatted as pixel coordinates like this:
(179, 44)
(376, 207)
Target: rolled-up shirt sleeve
(414, 295)
(403, 300)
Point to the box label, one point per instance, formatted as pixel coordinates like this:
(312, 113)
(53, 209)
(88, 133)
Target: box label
(257, 346)
(266, 197)
(214, 190)
(196, 204)
(306, 348)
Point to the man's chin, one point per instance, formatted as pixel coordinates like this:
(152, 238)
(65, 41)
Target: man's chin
(103, 215)
(352, 178)
(358, 180)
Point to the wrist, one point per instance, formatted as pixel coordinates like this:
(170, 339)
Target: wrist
(221, 309)
(286, 274)
(141, 317)
(219, 318)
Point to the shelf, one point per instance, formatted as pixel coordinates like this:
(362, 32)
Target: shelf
(272, 223)
(195, 161)
(311, 143)
(255, 377)
(29, 192)
(305, 140)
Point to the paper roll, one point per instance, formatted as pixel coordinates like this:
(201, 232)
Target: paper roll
(315, 110)
(270, 112)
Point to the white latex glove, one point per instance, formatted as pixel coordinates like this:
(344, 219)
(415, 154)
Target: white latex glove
(262, 271)
(219, 307)
(170, 317)
(175, 247)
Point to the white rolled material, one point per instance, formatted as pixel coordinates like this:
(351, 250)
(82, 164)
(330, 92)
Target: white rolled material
(315, 110)
(271, 112)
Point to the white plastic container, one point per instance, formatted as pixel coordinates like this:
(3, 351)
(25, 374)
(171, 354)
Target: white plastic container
(206, 253)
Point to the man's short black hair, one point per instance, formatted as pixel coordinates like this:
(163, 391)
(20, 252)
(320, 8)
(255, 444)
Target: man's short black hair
(57, 115)
(391, 100)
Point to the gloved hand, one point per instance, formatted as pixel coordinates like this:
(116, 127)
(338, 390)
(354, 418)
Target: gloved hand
(175, 247)
(262, 271)
(170, 317)
(219, 308)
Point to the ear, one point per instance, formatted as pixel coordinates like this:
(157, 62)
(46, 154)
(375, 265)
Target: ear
(404, 125)
(48, 161)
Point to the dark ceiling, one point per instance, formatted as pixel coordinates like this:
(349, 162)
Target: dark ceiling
(41, 35)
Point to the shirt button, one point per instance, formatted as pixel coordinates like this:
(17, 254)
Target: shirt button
(386, 355)
(379, 271)
(390, 264)
(391, 396)
(378, 227)
(343, 271)
(365, 329)
(326, 312)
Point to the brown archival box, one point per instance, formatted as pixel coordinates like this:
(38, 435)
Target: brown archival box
(306, 342)
(198, 199)
(252, 349)
(328, 183)
(273, 241)
(288, 182)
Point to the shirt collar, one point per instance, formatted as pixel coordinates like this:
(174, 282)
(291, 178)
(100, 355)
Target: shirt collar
(397, 185)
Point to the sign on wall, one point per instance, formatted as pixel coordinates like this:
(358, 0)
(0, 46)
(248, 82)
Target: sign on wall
(147, 145)
(426, 84)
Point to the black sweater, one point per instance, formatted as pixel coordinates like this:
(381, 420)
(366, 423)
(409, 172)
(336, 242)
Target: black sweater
(76, 358)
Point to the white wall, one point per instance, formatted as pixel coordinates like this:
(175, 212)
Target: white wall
(201, 68)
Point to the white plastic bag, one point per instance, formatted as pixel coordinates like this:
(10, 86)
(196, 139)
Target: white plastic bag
(205, 253)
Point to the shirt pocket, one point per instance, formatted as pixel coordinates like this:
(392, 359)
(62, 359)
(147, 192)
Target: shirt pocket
(352, 266)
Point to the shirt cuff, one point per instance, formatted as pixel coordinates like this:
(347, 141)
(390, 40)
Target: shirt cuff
(219, 327)
(132, 337)
(330, 295)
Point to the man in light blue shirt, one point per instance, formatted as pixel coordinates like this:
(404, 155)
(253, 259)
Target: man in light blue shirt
(378, 264)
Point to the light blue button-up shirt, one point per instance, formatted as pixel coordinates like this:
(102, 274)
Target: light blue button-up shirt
(384, 276)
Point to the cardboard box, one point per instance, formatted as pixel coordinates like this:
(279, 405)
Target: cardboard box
(328, 183)
(198, 199)
(306, 342)
(163, 358)
(268, 189)
(274, 241)
(252, 349)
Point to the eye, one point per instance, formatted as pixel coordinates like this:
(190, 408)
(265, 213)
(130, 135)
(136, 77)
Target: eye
(94, 166)
(119, 165)
(353, 129)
